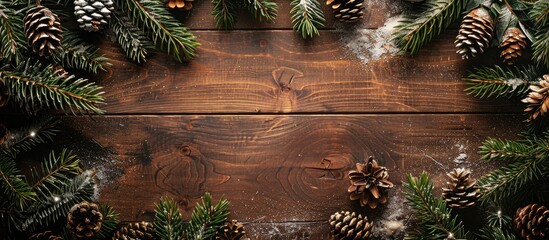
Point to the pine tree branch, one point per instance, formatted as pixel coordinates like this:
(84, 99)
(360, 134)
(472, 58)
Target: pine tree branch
(131, 39)
(109, 224)
(494, 148)
(420, 27)
(540, 48)
(307, 17)
(207, 219)
(13, 184)
(224, 13)
(56, 172)
(12, 37)
(492, 233)
(540, 13)
(434, 218)
(40, 131)
(263, 10)
(34, 88)
(75, 53)
(166, 32)
(501, 82)
(168, 222)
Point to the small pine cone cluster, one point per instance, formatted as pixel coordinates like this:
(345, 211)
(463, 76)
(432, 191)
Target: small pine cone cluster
(47, 235)
(532, 222)
(182, 4)
(347, 10)
(475, 33)
(232, 231)
(4, 93)
(93, 15)
(4, 135)
(461, 191)
(135, 231)
(351, 226)
(42, 28)
(369, 184)
(512, 45)
(538, 103)
(84, 220)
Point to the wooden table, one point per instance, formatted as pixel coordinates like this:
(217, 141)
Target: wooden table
(274, 123)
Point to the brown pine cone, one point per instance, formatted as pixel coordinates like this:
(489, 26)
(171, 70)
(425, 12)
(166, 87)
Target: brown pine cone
(232, 231)
(47, 235)
(462, 190)
(43, 30)
(184, 4)
(135, 231)
(347, 10)
(351, 226)
(369, 184)
(512, 45)
(475, 33)
(532, 222)
(538, 103)
(4, 93)
(84, 220)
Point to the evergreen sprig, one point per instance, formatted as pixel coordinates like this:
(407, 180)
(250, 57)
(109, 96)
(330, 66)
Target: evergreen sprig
(421, 26)
(109, 224)
(75, 53)
(263, 10)
(35, 87)
(224, 13)
(164, 30)
(56, 172)
(133, 41)
(40, 130)
(168, 221)
(13, 184)
(307, 17)
(433, 218)
(540, 15)
(500, 81)
(12, 37)
(207, 218)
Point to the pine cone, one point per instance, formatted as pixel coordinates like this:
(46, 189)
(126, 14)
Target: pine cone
(512, 45)
(4, 93)
(4, 135)
(351, 226)
(347, 10)
(232, 231)
(185, 4)
(135, 231)
(475, 33)
(532, 222)
(43, 30)
(461, 191)
(84, 220)
(538, 103)
(369, 183)
(93, 15)
(47, 235)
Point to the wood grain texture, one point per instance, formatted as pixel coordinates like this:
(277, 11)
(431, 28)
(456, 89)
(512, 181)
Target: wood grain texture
(276, 72)
(273, 168)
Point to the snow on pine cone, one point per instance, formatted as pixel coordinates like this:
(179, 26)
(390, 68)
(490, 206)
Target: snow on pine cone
(351, 226)
(538, 103)
(512, 45)
(93, 15)
(462, 190)
(135, 231)
(43, 30)
(475, 33)
(347, 10)
(532, 222)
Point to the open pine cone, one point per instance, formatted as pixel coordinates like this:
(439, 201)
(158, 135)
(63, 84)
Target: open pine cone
(184, 4)
(351, 226)
(47, 235)
(347, 10)
(84, 220)
(538, 103)
(43, 30)
(135, 231)
(462, 190)
(369, 184)
(475, 33)
(232, 231)
(512, 45)
(532, 222)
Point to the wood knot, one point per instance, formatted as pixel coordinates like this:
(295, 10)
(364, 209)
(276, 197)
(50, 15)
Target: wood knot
(284, 76)
(185, 150)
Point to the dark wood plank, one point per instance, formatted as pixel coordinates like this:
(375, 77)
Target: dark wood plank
(273, 168)
(276, 72)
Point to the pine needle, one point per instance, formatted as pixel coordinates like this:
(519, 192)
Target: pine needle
(307, 17)
(132, 40)
(13, 184)
(263, 10)
(12, 38)
(56, 172)
(224, 13)
(501, 81)
(109, 224)
(39, 131)
(75, 53)
(207, 219)
(168, 222)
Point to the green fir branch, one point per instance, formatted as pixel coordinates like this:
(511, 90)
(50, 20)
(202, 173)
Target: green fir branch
(12, 36)
(109, 224)
(39, 131)
(224, 13)
(207, 219)
(263, 10)
(433, 218)
(168, 222)
(51, 208)
(132, 40)
(55, 173)
(540, 48)
(75, 53)
(539, 13)
(13, 185)
(507, 150)
(492, 233)
(35, 87)
(501, 81)
(419, 27)
(164, 30)
(307, 17)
